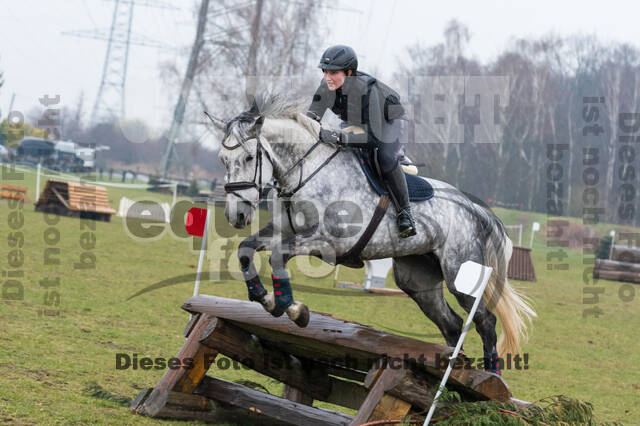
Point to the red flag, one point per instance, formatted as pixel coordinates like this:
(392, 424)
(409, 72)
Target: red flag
(195, 221)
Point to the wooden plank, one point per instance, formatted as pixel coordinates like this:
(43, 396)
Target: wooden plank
(346, 394)
(12, 195)
(625, 254)
(180, 406)
(181, 379)
(388, 292)
(390, 407)
(241, 346)
(615, 265)
(268, 405)
(90, 198)
(418, 389)
(348, 357)
(379, 380)
(296, 395)
(14, 188)
(326, 336)
(520, 265)
(631, 277)
(60, 198)
(193, 320)
(347, 373)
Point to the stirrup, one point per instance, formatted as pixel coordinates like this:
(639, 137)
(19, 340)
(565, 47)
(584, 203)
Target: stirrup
(410, 229)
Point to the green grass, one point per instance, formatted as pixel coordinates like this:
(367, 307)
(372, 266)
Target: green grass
(61, 369)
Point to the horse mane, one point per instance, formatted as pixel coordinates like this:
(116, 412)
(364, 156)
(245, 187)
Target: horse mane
(270, 105)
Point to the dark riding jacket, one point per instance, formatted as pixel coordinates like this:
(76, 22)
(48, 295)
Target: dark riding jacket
(366, 102)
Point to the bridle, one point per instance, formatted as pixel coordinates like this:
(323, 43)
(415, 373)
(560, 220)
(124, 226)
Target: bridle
(232, 187)
(256, 182)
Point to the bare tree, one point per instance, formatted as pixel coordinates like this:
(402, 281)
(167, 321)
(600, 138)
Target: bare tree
(254, 46)
(437, 76)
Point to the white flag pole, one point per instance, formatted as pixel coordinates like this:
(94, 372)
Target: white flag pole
(472, 279)
(203, 248)
(613, 241)
(38, 184)
(175, 191)
(534, 227)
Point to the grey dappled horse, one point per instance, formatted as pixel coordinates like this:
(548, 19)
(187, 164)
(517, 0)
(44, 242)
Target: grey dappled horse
(275, 139)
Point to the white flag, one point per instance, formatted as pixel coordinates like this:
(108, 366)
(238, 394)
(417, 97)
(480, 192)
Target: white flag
(472, 278)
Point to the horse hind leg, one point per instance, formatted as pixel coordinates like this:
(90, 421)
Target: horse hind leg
(484, 319)
(421, 278)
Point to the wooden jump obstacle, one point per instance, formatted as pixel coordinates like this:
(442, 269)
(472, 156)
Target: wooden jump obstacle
(75, 200)
(520, 265)
(624, 265)
(313, 362)
(13, 192)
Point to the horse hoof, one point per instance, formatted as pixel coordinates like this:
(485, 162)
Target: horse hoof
(299, 313)
(268, 302)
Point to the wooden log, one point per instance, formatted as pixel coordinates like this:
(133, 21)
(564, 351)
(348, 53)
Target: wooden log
(295, 373)
(615, 265)
(631, 277)
(239, 345)
(14, 188)
(326, 336)
(268, 405)
(346, 394)
(418, 389)
(625, 254)
(179, 406)
(296, 395)
(390, 407)
(181, 379)
(375, 405)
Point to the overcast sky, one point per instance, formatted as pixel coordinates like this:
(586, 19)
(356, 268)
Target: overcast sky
(38, 60)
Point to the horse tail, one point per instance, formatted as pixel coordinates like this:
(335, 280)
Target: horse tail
(510, 305)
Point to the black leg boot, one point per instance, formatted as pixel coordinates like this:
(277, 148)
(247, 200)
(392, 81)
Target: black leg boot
(400, 195)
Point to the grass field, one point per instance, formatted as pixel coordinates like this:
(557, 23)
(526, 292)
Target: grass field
(62, 368)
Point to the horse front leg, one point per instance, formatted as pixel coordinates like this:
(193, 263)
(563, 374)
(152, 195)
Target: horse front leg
(246, 252)
(281, 253)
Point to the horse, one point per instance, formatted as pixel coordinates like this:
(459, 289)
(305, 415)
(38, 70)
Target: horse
(275, 141)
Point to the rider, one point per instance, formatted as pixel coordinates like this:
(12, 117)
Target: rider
(361, 100)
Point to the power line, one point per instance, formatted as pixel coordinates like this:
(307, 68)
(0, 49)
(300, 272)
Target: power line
(110, 100)
(86, 8)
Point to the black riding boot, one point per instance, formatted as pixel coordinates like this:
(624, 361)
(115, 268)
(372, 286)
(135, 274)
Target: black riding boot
(400, 196)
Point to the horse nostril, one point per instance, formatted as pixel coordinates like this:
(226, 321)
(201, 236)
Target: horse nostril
(241, 217)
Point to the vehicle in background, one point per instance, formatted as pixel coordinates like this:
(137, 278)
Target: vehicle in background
(5, 154)
(65, 156)
(36, 150)
(88, 158)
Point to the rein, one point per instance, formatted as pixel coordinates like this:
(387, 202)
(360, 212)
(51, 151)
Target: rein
(352, 256)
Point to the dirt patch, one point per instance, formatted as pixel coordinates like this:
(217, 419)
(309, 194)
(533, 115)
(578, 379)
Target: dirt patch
(115, 346)
(570, 233)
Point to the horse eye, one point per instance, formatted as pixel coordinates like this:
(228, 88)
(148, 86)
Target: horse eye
(249, 158)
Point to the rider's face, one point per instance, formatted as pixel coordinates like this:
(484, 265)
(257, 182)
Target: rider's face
(334, 78)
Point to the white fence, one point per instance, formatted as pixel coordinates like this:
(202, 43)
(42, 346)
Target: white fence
(140, 212)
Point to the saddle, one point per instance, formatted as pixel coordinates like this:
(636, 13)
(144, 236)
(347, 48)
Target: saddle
(419, 189)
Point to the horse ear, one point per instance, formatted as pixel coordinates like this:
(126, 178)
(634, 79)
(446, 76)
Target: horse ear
(219, 124)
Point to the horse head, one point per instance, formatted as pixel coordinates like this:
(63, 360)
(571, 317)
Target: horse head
(260, 145)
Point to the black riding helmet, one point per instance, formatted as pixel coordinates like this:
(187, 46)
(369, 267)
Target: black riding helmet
(339, 57)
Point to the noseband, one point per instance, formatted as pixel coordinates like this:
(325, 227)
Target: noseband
(232, 187)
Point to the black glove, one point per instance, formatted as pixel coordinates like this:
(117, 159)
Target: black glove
(313, 115)
(331, 136)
